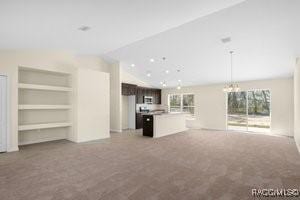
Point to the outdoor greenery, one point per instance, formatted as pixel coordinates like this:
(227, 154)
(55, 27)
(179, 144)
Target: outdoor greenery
(182, 103)
(258, 102)
(256, 118)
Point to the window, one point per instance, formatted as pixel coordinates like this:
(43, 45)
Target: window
(175, 103)
(249, 111)
(181, 103)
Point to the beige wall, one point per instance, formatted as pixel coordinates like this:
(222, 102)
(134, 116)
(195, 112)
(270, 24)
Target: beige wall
(297, 104)
(115, 98)
(210, 102)
(61, 61)
(92, 105)
(93, 62)
(124, 112)
(128, 78)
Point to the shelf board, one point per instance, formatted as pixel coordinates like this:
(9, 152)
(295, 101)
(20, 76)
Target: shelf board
(44, 87)
(43, 107)
(43, 126)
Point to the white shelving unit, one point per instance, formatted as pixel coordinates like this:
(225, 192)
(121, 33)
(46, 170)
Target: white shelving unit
(42, 126)
(43, 87)
(45, 105)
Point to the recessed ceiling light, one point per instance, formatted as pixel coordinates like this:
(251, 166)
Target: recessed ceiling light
(179, 80)
(167, 71)
(152, 60)
(178, 87)
(132, 65)
(161, 82)
(164, 84)
(148, 73)
(84, 28)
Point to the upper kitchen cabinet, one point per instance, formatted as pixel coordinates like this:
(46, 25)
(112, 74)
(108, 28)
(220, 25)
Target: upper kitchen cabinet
(157, 98)
(140, 92)
(139, 95)
(128, 89)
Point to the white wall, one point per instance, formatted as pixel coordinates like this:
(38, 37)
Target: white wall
(297, 104)
(125, 107)
(129, 78)
(210, 102)
(93, 105)
(115, 98)
(93, 62)
(131, 111)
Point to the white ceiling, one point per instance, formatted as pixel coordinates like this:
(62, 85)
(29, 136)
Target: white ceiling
(265, 37)
(53, 24)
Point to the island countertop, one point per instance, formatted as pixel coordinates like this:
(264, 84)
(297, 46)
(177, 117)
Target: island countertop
(162, 124)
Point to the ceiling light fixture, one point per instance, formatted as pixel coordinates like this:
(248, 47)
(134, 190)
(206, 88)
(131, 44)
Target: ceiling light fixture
(84, 28)
(178, 87)
(164, 84)
(179, 80)
(148, 73)
(161, 82)
(152, 60)
(167, 71)
(132, 65)
(232, 87)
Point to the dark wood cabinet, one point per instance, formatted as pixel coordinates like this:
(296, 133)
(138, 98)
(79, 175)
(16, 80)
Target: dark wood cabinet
(138, 121)
(139, 95)
(155, 93)
(128, 89)
(140, 92)
(157, 96)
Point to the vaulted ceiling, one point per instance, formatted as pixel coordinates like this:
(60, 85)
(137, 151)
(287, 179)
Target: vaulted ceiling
(265, 38)
(264, 35)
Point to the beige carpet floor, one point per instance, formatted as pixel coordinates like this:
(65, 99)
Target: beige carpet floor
(191, 165)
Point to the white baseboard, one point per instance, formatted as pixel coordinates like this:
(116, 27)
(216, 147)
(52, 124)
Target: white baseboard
(115, 130)
(13, 149)
(82, 141)
(41, 140)
(213, 129)
(298, 146)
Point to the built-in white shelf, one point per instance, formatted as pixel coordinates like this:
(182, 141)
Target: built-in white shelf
(44, 87)
(44, 97)
(43, 126)
(44, 107)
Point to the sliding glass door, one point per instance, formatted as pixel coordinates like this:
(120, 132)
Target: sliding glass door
(237, 111)
(249, 111)
(259, 114)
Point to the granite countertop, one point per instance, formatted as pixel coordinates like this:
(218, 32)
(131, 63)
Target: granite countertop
(163, 113)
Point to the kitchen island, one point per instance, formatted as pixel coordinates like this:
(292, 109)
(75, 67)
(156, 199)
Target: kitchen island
(158, 125)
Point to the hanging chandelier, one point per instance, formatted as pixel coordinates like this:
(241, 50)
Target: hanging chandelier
(231, 87)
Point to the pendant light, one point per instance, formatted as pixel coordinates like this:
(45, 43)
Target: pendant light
(231, 87)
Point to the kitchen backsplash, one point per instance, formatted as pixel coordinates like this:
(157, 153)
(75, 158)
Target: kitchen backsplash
(150, 106)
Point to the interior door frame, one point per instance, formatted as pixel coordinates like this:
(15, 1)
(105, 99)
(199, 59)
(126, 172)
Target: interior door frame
(4, 132)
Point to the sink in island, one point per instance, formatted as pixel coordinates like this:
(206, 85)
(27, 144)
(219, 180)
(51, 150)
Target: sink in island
(158, 125)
